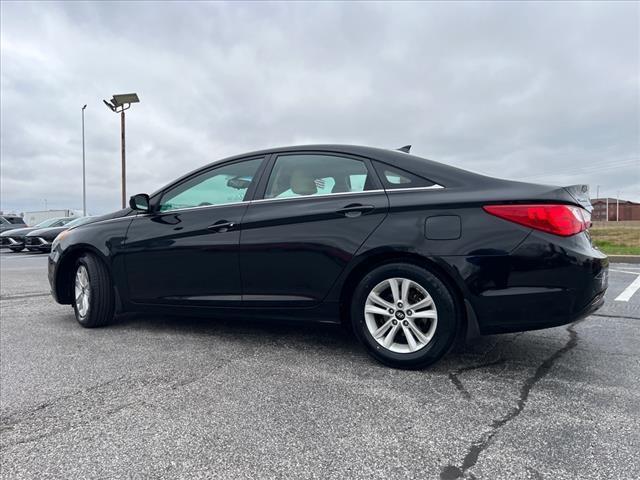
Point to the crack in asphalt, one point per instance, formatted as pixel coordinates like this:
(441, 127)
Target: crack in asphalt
(18, 296)
(452, 472)
(10, 422)
(614, 316)
(18, 416)
(454, 375)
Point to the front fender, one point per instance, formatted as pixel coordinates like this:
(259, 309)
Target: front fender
(104, 239)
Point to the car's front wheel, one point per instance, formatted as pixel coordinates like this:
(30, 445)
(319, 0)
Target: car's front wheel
(404, 315)
(93, 298)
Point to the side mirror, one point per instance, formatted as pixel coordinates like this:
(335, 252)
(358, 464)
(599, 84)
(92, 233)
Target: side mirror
(139, 202)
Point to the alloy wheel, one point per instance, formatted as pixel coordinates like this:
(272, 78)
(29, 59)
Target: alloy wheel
(400, 315)
(82, 291)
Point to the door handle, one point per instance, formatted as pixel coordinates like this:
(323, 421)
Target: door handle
(355, 210)
(221, 226)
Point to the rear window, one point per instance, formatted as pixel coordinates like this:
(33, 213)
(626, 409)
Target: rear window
(396, 178)
(15, 220)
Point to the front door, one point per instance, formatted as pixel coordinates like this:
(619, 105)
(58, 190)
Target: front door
(315, 212)
(186, 251)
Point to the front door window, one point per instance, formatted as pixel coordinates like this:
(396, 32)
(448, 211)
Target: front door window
(223, 185)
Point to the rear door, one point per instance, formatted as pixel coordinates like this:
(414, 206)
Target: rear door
(186, 251)
(312, 213)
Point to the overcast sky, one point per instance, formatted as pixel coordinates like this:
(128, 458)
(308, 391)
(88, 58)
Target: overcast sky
(542, 92)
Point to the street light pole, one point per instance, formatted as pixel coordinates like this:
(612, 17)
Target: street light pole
(118, 104)
(124, 162)
(84, 176)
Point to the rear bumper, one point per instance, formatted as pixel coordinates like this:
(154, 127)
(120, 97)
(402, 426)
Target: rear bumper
(528, 321)
(546, 282)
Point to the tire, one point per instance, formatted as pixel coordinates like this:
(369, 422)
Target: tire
(98, 308)
(435, 321)
(16, 249)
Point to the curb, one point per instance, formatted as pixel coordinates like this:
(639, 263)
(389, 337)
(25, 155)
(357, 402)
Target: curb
(624, 258)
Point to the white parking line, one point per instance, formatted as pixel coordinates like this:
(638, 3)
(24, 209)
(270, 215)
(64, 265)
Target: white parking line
(624, 271)
(629, 291)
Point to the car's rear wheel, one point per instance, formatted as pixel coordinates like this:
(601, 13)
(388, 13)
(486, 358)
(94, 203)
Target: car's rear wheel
(16, 249)
(93, 299)
(404, 315)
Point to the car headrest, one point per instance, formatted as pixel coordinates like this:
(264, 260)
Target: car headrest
(302, 184)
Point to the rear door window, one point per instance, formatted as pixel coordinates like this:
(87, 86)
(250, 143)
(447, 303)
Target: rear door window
(300, 175)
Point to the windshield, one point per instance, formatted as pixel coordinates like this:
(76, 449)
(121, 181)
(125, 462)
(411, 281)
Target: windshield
(53, 222)
(15, 220)
(78, 221)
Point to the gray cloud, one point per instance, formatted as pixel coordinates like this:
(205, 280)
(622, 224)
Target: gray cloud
(544, 92)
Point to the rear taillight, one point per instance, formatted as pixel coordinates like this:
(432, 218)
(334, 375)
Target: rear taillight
(564, 220)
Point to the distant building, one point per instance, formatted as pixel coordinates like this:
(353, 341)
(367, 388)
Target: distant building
(627, 210)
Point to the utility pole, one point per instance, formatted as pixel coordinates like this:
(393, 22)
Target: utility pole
(618, 207)
(607, 209)
(84, 177)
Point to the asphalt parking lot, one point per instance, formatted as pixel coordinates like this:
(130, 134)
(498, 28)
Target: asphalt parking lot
(192, 398)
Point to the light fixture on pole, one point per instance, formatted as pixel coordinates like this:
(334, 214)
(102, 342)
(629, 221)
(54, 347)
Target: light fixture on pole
(84, 177)
(118, 104)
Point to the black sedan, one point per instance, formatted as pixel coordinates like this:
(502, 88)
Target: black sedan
(412, 254)
(40, 240)
(15, 239)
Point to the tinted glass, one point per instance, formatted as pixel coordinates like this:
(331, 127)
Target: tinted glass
(50, 222)
(64, 221)
(394, 178)
(228, 184)
(15, 220)
(78, 221)
(308, 174)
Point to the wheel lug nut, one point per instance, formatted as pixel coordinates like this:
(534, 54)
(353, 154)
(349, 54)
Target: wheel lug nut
(409, 312)
(399, 304)
(405, 323)
(395, 322)
(391, 310)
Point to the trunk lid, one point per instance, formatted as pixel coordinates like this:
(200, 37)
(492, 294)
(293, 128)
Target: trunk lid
(580, 193)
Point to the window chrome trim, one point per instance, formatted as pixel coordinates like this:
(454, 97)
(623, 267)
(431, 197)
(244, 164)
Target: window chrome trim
(324, 195)
(301, 197)
(198, 207)
(435, 186)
